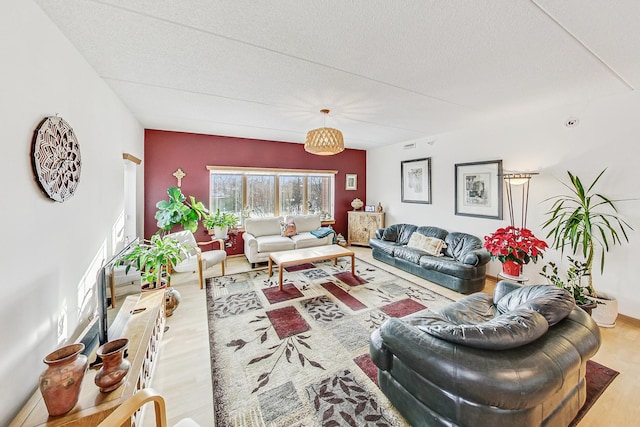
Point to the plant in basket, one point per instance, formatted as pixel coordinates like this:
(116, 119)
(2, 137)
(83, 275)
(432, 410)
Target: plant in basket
(514, 247)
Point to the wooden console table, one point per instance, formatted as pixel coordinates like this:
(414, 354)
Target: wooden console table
(144, 330)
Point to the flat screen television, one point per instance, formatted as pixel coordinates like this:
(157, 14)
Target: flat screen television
(102, 281)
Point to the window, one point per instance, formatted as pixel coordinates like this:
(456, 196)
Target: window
(250, 192)
(226, 193)
(261, 195)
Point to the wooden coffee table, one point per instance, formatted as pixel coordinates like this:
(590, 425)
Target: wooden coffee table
(300, 256)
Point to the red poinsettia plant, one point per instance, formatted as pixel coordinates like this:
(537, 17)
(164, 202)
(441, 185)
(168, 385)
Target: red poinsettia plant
(514, 244)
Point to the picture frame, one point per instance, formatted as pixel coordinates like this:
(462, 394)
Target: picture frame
(416, 180)
(351, 181)
(369, 208)
(478, 189)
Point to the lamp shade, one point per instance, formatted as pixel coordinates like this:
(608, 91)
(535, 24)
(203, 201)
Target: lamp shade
(324, 141)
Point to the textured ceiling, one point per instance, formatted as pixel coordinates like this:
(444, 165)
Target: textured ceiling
(390, 71)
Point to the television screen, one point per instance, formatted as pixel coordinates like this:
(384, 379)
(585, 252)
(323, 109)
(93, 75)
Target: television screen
(104, 275)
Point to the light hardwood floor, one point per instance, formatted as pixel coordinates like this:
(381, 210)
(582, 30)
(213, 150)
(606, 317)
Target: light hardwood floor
(183, 370)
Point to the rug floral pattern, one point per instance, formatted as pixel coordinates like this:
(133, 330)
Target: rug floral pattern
(295, 357)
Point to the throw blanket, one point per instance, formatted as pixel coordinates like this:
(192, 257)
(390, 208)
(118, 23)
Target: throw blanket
(324, 232)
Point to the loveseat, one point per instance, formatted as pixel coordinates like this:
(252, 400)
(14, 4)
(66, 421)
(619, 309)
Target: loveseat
(515, 359)
(265, 235)
(454, 260)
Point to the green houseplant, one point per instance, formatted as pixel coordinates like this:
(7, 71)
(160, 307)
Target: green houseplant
(220, 222)
(151, 258)
(584, 222)
(573, 283)
(179, 210)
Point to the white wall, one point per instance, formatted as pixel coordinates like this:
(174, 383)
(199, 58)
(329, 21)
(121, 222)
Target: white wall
(50, 250)
(607, 136)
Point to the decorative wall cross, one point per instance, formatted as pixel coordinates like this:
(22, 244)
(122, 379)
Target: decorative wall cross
(179, 174)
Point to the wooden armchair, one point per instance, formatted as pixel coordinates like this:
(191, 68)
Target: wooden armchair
(196, 259)
(122, 415)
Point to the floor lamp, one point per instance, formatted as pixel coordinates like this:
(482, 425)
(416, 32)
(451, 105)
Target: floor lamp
(522, 180)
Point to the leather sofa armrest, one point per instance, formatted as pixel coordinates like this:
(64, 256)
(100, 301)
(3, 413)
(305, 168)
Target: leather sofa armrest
(476, 257)
(380, 356)
(379, 233)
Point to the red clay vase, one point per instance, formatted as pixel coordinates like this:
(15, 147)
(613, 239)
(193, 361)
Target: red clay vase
(114, 366)
(60, 383)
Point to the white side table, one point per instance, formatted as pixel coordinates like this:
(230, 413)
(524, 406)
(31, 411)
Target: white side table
(518, 279)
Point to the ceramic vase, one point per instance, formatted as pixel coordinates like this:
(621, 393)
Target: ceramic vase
(172, 299)
(511, 268)
(114, 366)
(60, 383)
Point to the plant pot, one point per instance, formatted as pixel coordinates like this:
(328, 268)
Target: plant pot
(588, 308)
(60, 383)
(114, 366)
(220, 232)
(511, 268)
(606, 311)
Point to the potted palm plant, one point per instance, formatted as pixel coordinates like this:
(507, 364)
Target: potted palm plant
(584, 222)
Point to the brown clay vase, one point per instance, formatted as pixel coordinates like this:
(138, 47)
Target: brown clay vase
(114, 366)
(60, 383)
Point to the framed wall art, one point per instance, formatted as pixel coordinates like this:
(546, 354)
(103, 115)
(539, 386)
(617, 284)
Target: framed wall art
(351, 181)
(478, 189)
(416, 180)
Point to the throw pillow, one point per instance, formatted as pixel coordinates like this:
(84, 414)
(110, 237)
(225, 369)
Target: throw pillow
(430, 245)
(289, 229)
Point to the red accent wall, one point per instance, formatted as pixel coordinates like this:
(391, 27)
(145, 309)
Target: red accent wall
(165, 152)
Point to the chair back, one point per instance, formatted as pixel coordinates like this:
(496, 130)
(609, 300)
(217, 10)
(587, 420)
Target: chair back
(186, 239)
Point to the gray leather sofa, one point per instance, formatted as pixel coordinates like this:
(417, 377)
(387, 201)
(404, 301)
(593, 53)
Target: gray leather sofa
(461, 266)
(515, 359)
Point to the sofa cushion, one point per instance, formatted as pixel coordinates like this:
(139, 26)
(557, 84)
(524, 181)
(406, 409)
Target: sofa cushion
(399, 233)
(274, 243)
(550, 301)
(458, 244)
(431, 245)
(289, 229)
(509, 330)
(308, 240)
(383, 245)
(267, 226)
(430, 231)
(448, 266)
(306, 223)
(409, 254)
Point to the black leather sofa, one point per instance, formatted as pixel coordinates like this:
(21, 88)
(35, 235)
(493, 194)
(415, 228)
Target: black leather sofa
(517, 359)
(462, 266)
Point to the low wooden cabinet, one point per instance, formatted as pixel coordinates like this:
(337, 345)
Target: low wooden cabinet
(363, 226)
(144, 329)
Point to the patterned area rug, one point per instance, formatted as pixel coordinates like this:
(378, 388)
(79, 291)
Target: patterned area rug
(598, 379)
(300, 357)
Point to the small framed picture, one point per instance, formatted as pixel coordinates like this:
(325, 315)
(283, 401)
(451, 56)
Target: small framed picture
(478, 189)
(369, 208)
(351, 182)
